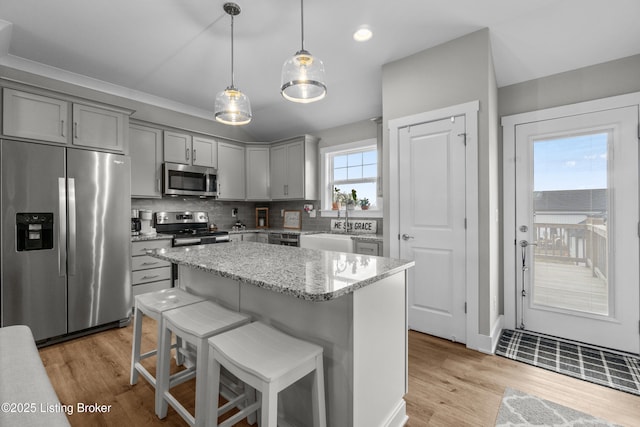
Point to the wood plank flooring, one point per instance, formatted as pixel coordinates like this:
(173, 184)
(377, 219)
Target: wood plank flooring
(448, 384)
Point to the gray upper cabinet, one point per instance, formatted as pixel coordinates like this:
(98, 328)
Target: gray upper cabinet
(177, 147)
(204, 152)
(145, 148)
(190, 150)
(99, 128)
(43, 118)
(231, 172)
(26, 115)
(258, 173)
(294, 169)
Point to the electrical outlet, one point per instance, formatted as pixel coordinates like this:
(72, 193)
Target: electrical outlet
(234, 212)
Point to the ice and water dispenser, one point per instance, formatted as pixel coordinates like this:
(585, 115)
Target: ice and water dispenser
(34, 231)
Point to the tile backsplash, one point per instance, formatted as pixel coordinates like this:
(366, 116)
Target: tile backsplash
(220, 211)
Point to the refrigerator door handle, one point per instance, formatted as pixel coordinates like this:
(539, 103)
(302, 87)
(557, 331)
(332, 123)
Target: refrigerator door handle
(62, 226)
(72, 226)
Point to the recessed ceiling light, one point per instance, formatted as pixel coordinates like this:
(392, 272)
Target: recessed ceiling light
(362, 34)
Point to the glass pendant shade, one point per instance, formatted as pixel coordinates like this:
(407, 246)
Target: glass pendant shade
(303, 78)
(232, 107)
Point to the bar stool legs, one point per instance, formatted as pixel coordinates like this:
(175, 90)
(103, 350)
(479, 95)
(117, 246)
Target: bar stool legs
(194, 324)
(152, 304)
(269, 361)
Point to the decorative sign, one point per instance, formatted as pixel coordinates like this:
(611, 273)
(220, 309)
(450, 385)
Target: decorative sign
(292, 219)
(362, 226)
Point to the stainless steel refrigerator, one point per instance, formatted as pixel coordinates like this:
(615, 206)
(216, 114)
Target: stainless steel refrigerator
(65, 230)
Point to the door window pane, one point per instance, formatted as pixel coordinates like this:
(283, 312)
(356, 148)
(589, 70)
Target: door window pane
(571, 218)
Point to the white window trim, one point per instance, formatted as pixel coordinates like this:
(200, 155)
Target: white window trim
(326, 193)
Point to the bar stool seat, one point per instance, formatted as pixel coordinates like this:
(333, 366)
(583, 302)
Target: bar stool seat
(153, 304)
(194, 324)
(269, 361)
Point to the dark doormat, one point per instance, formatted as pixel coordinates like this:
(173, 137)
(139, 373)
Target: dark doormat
(620, 371)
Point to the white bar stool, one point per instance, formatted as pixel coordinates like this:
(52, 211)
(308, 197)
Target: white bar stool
(269, 361)
(153, 304)
(194, 324)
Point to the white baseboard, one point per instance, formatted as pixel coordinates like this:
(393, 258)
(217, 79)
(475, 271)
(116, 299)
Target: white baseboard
(399, 416)
(487, 343)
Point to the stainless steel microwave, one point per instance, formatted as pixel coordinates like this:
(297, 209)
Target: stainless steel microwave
(185, 180)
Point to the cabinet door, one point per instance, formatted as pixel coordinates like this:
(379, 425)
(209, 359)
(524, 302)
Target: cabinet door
(145, 148)
(205, 152)
(177, 147)
(257, 173)
(231, 175)
(99, 128)
(295, 171)
(367, 248)
(278, 171)
(249, 237)
(26, 115)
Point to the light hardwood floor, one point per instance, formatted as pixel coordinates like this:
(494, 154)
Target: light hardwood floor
(448, 384)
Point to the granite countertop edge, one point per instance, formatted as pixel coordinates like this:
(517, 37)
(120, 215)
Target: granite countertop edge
(313, 297)
(354, 236)
(158, 236)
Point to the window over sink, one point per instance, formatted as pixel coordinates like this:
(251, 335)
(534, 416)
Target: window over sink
(347, 167)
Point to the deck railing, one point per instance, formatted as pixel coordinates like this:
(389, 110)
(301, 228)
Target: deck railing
(580, 244)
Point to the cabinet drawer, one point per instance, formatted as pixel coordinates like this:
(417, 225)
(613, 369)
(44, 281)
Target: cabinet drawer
(151, 275)
(141, 248)
(146, 262)
(366, 248)
(151, 287)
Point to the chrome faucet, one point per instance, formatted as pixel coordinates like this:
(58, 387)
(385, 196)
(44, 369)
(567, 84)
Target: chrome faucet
(346, 218)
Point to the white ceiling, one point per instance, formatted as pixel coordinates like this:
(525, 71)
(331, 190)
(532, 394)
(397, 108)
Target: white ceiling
(176, 53)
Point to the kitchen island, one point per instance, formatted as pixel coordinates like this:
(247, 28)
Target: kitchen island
(354, 306)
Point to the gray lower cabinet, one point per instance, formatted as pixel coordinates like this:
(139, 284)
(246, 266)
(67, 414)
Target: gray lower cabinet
(368, 248)
(147, 273)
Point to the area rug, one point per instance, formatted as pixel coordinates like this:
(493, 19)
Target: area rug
(522, 409)
(620, 371)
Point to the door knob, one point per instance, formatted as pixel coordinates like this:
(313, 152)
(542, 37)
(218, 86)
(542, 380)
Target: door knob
(406, 237)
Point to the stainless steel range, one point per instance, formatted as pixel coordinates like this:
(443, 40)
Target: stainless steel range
(188, 228)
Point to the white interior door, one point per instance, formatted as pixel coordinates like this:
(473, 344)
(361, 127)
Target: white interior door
(577, 228)
(432, 225)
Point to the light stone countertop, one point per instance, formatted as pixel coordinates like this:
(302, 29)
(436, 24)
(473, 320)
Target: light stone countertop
(157, 236)
(355, 236)
(308, 274)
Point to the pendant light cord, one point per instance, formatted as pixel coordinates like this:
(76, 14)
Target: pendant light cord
(302, 21)
(233, 84)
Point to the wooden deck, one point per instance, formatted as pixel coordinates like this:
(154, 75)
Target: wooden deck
(569, 286)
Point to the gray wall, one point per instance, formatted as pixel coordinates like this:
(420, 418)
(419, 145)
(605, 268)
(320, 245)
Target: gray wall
(597, 81)
(453, 73)
(353, 132)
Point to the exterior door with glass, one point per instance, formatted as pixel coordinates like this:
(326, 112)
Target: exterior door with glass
(577, 247)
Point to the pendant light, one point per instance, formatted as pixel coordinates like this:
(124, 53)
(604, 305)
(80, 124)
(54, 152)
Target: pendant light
(303, 75)
(232, 106)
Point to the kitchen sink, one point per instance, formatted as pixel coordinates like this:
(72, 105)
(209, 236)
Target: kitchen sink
(327, 242)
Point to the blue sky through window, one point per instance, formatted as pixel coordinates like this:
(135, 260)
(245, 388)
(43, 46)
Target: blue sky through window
(572, 163)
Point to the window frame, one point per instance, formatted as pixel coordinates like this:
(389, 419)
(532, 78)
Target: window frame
(327, 183)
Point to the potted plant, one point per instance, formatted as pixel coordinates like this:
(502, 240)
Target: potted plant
(364, 204)
(352, 199)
